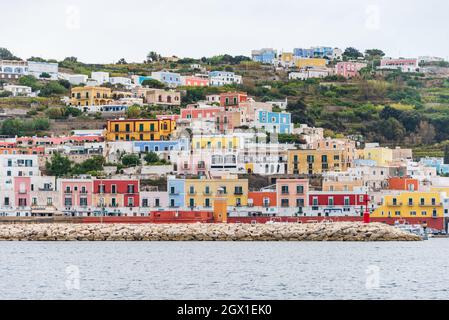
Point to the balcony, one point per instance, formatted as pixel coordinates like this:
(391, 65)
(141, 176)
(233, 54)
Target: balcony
(46, 189)
(394, 204)
(68, 191)
(238, 193)
(207, 193)
(191, 193)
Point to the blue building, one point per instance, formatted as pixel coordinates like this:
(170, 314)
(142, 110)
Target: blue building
(172, 79)
(266, 55)
(141, 79)
(161, 146)
(176, 193)
(437, 163)
(274, 122)
(315, 52)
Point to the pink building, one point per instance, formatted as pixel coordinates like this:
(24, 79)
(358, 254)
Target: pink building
(292, 195)
(200, 112)
(192, 81)
(22, 189)
(405, 65)
(349, 69)
(76, 196)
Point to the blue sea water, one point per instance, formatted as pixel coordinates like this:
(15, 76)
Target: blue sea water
(224, 270)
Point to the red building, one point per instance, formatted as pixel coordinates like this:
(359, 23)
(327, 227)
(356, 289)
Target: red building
(231, 99)
(337, 204)
(262, 199)
(117, 193)
(403, 183)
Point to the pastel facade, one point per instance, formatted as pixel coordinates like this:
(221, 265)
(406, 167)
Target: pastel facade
(310, 62)
(265, 55)
(315, 161)
(292, 195)
(160, 96)
(274, 122)
(139, 129)
(192, 81)
(18, 90)
(405, 65)
(424, 205)
(200, 193)
(349, 69)
(76, 196)
(172, 79)
(117, 197)
(90, 96)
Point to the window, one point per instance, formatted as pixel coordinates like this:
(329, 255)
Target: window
(207, 202)
(101, 188)
(192, 190)
(83, 202)
(238, 190)
(144, 203)
(299, 189)
(68, 202)
(157, 202)
(347, 201)
(49, 201)
(331, 201)
(6, 201)
(191, 202)
(284, 203)
(113, 188)
(300, 203)
(410, 201)
(130, 202)
(284, 190)
(130, 188)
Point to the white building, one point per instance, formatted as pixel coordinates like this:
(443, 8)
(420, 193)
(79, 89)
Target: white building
(12, 69)
(127, 82)
(18, 90)
(100, 77)
(221, 78)
(36, 69)
(74, 79)
(309, 73)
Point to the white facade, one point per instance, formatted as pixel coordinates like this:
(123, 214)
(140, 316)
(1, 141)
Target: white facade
(18, 90)
(36, 69)
(311, 73)
(100, 77)
(221, 78)
(121, 80)
(74, 79)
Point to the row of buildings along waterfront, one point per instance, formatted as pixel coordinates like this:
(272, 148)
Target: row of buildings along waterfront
(224, 147)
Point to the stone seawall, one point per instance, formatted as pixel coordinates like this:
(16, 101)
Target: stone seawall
(344, 231)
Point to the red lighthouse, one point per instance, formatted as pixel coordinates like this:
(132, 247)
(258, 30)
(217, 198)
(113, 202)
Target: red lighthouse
(366, 214)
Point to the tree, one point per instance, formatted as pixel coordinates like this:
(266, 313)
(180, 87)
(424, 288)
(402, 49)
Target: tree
(45, 75)
(352, 53)
(58, 166)
(130, 160)
(391, 129)
(446, 154)
(12, 127)
(151, 157)
(133, 112)
(52, 88)
(5, 54)
(30, 81)
(374, 54)
(153, 56)
(122, 61)
(94, 164)
(153, 83)
(71, 59)
(427, 132)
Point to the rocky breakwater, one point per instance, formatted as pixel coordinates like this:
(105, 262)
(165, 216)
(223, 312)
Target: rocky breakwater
(205, 232)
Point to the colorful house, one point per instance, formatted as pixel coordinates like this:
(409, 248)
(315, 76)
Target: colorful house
(310, 62)
(336, 204)
(265, 55)
(274, 122)
(349, 69)
(76, 196)
(403, 183)
(316, 161)
(90, 96)
(291, 195)
(139, 129)
(116, 197)
(414, 208)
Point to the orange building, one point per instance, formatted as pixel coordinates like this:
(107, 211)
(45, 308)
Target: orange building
(262, 199)
(232, 99)
(403, 183)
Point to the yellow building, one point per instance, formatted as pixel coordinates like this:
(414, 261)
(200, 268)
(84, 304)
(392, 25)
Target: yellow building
(310, 62)
(215, 142)
(140, 129)
(411, 205)
(90, 96)
(316, 161)
(202, 192)
(382, 156)
(287, 57)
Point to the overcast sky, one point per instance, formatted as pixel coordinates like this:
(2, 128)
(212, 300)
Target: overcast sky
(104, 31)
